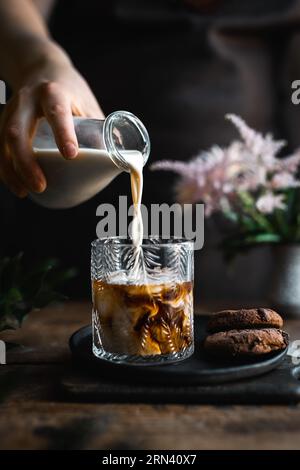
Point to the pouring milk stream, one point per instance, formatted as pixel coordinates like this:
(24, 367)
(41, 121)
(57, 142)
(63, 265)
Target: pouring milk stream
(106, 148)
(121, 328)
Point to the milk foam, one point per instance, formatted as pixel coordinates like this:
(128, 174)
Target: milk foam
(156, 277)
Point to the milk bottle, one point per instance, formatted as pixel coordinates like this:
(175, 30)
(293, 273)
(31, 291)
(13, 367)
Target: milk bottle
(106, 148)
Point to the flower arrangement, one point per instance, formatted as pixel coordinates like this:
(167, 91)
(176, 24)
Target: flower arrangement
(248, 183)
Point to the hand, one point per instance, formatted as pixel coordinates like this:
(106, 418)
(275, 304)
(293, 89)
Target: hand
(56, 91)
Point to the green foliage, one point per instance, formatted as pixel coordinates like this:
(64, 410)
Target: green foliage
(251, 228)
(22, 290)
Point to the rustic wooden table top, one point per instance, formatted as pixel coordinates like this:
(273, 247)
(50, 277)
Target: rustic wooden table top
(33, 415)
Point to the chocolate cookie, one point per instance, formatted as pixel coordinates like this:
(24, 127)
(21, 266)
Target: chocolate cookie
(244, 318)
(249, 342)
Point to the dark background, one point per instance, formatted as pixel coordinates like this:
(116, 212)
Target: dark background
(180, 67)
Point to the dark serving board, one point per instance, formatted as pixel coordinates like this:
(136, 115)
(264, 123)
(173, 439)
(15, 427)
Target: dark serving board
(199, 379)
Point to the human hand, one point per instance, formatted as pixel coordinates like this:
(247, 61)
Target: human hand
(53, 89)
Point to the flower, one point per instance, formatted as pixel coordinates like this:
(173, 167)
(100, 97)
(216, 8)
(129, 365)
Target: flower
(269, 201)
(289, 164)
(217, 177)
(284, 180)
(262, 147)
(211, 177)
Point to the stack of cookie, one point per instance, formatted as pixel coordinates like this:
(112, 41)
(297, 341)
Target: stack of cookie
(245, 332)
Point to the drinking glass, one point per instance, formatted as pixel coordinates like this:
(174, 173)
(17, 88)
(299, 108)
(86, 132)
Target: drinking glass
(142, 316)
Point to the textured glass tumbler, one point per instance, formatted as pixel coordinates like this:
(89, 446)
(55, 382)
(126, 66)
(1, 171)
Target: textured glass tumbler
(145, 319)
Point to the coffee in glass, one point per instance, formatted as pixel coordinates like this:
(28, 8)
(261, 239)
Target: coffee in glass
(144, 318)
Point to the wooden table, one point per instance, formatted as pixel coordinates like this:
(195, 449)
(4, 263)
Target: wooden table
(33, 414)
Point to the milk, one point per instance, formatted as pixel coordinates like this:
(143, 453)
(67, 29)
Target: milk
(71, 182)
(134, 160)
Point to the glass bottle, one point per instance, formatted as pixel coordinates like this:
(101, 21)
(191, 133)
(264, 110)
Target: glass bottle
(102, 145)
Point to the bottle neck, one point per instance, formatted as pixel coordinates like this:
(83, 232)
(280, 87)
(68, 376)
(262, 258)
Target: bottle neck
(124, 133)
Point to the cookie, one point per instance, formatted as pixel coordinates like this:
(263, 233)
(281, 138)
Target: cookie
(248, 342)
(244, 318)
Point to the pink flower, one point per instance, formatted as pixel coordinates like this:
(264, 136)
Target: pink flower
(216, 177)
(284, 180)
(269, 201)
(262, 147)
(211, 177)
(289, 164)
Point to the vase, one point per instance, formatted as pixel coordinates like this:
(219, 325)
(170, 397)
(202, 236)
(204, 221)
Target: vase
(284, 293)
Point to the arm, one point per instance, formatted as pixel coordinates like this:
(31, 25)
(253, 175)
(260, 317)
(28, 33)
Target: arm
(24, 40)
(44, 83)
(44, 7)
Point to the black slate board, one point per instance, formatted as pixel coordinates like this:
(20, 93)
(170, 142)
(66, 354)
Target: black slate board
(198, 379)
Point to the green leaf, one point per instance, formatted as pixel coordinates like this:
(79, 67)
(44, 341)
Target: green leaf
(14, 295)
(55, 278)
(230, 215)
(263, 238)
(36, 277)
(248, 224)
(9, 322)
(247, 199)
(23, 290)
(249, 208)
(4, 263)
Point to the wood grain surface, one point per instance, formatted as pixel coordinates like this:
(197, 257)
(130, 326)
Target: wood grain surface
(34, 414)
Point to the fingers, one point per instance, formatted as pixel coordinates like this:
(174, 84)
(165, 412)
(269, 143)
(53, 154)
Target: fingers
(8, 175)
(19, 169)
(57, 109)
(85, 103)
(18, 131)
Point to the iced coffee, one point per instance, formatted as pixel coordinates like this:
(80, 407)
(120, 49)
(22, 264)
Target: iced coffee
(142, 312)
(143, 320)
